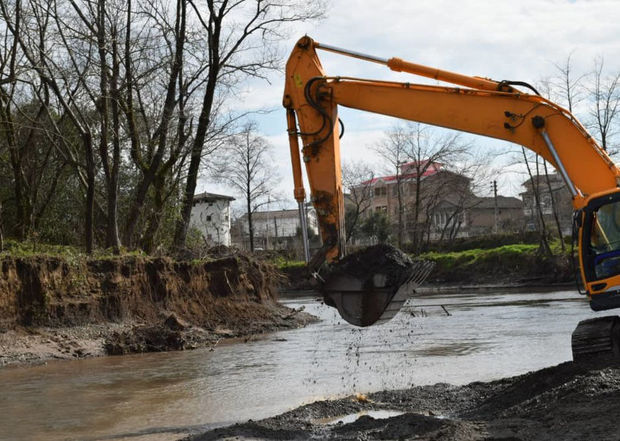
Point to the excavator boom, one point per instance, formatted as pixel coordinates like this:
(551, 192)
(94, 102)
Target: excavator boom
(481, 106)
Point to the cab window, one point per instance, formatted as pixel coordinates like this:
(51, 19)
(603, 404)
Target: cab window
(605, 240)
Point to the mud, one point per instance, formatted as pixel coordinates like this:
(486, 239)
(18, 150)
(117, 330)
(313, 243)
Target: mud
(564, 402)
(383, 258)
(55, 308)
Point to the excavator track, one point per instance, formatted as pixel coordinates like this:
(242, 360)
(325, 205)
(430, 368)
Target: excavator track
(597, 340)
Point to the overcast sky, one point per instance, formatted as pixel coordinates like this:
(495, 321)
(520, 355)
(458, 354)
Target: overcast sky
(514, 40)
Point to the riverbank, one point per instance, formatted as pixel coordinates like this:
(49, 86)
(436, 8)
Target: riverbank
(564, 402)
(52, 307)
(504, 267)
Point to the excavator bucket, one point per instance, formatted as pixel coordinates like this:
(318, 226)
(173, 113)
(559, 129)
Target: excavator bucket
(370, 287)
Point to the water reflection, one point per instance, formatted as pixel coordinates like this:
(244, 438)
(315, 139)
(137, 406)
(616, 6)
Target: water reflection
(167, 395)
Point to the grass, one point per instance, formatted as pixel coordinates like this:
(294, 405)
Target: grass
(285, 264)
(460, 257)
(29, 248)
(504, 262)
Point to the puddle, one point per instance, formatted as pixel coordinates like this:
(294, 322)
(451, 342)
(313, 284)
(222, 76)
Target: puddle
(352, 417)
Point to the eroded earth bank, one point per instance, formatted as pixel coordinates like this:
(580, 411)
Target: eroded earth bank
(565, 402)
(59, 308)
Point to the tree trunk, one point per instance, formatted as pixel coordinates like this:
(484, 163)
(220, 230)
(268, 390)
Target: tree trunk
(544, 244)
(554, 208)
(194, 164)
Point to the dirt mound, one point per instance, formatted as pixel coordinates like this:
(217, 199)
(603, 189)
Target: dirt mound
(565, 402)
(382, 258)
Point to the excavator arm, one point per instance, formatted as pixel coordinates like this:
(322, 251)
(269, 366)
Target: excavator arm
(482, 106)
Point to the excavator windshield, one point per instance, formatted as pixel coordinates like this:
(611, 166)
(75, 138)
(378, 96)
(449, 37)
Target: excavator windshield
(605, 240)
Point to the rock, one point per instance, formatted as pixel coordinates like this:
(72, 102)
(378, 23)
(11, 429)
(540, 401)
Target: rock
(175, 323)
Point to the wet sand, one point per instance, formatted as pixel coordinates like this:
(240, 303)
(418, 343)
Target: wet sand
(39, 344)
(564, 402)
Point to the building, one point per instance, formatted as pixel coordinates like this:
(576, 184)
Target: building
(429, 201)
(211, 216)
(274, 229)
(552, 195)
(443, 208)
(483, 220)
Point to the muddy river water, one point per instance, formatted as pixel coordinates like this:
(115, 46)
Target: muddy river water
(167, 395)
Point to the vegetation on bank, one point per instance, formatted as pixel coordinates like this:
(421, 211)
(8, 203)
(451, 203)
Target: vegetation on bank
(505, 264)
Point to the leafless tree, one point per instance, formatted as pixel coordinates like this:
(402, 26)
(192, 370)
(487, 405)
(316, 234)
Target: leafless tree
(244, 164)
(240, 37)
(34, 29)
(567, 85)
(412, 150)
(605, 100)
(396, 150)
(535, 180)
(357, 179)
(454, 192)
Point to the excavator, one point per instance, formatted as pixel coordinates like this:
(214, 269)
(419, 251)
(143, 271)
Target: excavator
(477, 105)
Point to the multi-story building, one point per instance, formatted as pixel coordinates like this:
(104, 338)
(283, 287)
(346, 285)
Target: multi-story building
(501, 214)
(211, 216)
(552, 195)
(438, 204)
(424, 201)
(274, 229)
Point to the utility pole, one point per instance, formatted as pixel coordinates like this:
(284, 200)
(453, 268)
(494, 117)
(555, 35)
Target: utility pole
(494, 186)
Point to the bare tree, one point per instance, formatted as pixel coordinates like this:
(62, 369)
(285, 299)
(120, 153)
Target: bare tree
(395, 149)
(357, 178)
(244, 164)
(156, 154)
(413, 150)
(605, 100)
(535, 183)
(452, 193)
(567, 85)
(567, 88)
(236, 50)
(31, 30)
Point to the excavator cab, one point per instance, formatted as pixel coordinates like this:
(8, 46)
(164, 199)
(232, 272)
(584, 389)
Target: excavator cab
(600, 250)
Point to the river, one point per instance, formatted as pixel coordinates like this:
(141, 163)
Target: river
(164, 396)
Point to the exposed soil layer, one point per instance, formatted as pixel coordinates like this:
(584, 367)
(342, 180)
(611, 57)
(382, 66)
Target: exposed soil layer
(54, 308)
(564, 402)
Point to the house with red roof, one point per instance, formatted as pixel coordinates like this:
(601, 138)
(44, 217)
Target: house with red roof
(436, 203)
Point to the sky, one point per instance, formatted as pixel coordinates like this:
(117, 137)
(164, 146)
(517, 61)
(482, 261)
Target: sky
(496, 39)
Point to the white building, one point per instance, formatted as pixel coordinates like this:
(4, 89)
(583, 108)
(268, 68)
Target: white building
(211, 216)
(275, 229)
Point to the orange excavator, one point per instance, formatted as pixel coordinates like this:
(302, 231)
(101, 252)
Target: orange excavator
(497, 109)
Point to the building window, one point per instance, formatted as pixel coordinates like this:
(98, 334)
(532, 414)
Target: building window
(380, 191)
(209, 218)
